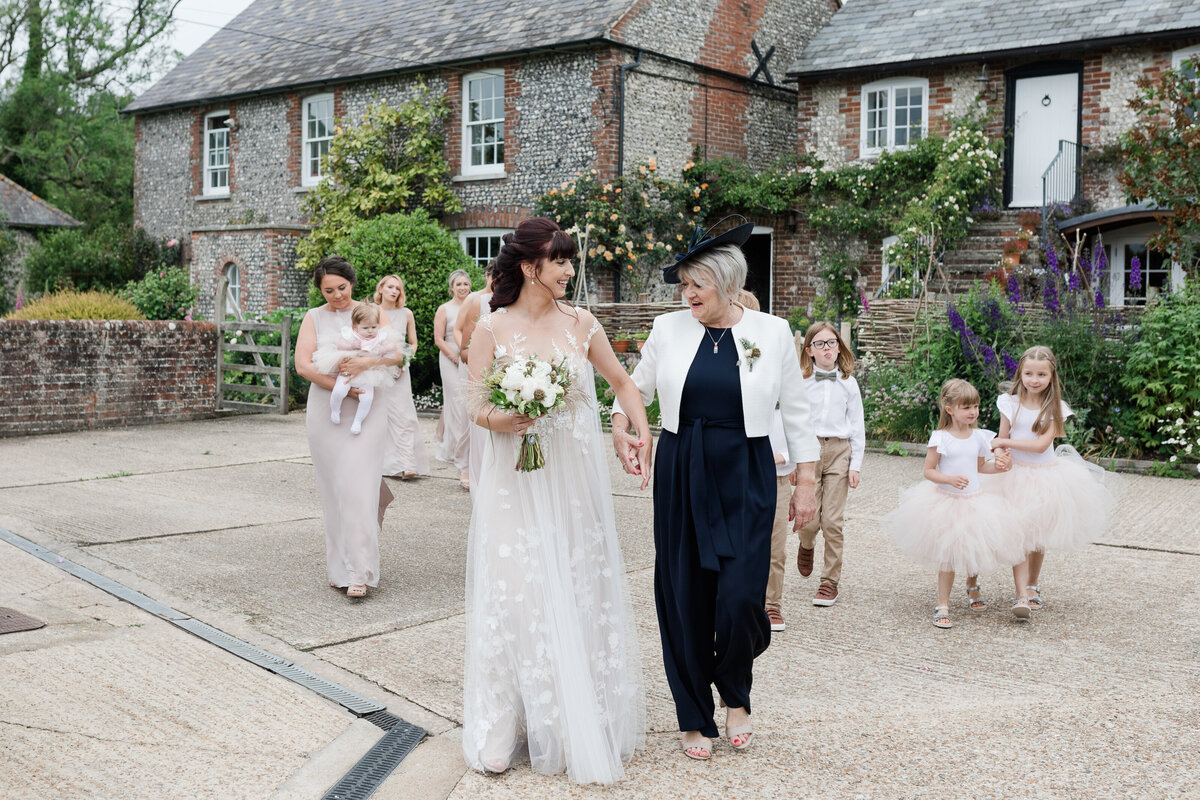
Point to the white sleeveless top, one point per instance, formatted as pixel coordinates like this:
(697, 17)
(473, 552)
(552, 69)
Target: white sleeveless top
(961, 456)
(1020, 420)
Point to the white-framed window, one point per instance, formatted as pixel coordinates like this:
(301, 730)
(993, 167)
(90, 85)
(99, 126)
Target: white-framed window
(1156, 275)
(318, 133)
(234, 293)
(1179, 56)
(482, 244)
(216, 153)
(885, 269)
(483, 123)
(894, 114)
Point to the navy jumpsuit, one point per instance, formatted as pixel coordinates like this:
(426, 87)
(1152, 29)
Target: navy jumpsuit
(714, 503)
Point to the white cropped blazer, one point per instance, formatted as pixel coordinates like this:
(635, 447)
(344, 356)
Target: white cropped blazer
(673, 343)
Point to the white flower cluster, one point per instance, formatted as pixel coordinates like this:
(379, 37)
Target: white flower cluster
(1183, 432)
(530, 381)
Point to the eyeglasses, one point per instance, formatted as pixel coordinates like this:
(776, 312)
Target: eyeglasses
(824, 344)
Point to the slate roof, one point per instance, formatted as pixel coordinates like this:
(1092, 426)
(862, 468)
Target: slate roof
(279, 44)
(21, 208)
(876, 33)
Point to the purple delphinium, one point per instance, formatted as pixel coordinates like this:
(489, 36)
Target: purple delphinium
(1052, 259)
(993, 314)
(1010, 364)
(1135, 273)
(1099, 299)
(956, 321)
(1073, 281)
(1050, 294)
(20, 299)
(865, 304)
(1014, 290)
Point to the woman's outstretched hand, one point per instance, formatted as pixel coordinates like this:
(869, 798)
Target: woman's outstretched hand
(634, 454)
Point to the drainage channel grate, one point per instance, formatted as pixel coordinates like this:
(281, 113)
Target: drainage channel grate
(373, 768)
(383, 719)
(338, 694)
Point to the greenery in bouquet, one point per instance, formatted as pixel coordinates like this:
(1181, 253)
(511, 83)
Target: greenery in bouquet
(532, 387)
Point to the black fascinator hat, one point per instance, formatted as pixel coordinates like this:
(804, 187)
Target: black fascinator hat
(703, 241)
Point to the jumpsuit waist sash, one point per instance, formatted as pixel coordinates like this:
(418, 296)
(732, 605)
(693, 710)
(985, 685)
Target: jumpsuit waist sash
(712, 531)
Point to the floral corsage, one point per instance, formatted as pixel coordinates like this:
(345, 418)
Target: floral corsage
(750, 352)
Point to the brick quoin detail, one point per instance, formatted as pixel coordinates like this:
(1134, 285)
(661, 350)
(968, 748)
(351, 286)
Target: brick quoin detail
(76, 374)
(719, 119)
(605, 113)
(294, 120)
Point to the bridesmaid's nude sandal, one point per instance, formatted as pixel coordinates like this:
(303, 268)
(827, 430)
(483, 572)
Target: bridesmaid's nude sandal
(356, 590)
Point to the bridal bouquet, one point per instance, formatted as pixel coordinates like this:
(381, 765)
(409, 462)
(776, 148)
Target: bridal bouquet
(528, 386)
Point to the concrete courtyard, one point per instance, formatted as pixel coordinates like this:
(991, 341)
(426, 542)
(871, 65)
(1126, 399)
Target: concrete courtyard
(1097, 697)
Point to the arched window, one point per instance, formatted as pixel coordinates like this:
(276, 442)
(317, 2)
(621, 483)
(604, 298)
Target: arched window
(234, 293)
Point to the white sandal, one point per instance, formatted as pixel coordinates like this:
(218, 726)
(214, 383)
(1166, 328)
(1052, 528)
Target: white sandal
(976, 603)
(1020, 608)
(941, 613)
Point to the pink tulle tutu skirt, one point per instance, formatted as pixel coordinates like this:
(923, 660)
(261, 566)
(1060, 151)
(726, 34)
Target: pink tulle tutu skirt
(1060, 505)
(966, 533)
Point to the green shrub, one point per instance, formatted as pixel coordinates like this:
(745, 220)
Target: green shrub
(418, 249)
(105, 257)
(1162, 373)
(163, 294)
(78, 305)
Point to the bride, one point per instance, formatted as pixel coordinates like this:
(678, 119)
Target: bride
(552, 665)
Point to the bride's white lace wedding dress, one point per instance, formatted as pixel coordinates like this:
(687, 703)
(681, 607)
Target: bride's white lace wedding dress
(552, 664)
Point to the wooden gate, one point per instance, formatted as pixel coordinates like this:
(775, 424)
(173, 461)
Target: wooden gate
(267, 382)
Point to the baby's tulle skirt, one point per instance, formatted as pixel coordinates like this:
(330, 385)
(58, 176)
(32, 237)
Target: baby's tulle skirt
(965, 533)
(1062, 504)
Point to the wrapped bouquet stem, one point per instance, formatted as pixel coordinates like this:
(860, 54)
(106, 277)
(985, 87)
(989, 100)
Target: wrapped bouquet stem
(530, 386)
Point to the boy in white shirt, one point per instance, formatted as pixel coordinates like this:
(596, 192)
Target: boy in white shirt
(837, 416)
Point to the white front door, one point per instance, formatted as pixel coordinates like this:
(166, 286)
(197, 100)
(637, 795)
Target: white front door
(1045, 110)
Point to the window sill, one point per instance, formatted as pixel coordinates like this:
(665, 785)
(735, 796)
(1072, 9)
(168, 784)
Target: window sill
(481, 176)
(211, 198)
(303, 189)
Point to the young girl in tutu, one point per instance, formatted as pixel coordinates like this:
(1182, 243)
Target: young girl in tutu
(366, 336)
(947, 521)
(1057, 499)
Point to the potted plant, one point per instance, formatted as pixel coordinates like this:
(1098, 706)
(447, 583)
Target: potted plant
(639, 339)
(621, 342)
(1029, 221)
(1012, 251)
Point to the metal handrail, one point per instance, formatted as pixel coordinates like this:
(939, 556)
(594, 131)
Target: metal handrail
(1060, 180)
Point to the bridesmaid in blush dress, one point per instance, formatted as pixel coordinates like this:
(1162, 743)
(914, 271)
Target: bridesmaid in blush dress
(455, 441)
(405, 456)
(349, 468)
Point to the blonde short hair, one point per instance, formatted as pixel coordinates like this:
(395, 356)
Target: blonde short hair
(365, 312)
(724, 267)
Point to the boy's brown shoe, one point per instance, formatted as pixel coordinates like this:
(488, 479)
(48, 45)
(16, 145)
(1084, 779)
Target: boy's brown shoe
(804, 560)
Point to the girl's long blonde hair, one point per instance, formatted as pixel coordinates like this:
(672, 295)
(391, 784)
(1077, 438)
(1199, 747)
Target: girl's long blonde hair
(845, 359)
(1050, 415)
(955, 392)
(378, 296)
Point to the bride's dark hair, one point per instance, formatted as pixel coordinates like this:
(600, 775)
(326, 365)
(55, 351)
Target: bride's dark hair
(533, 240)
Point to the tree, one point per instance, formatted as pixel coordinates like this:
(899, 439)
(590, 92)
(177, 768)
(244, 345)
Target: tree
(61, 135)
(393, 161)
(1162, 157)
